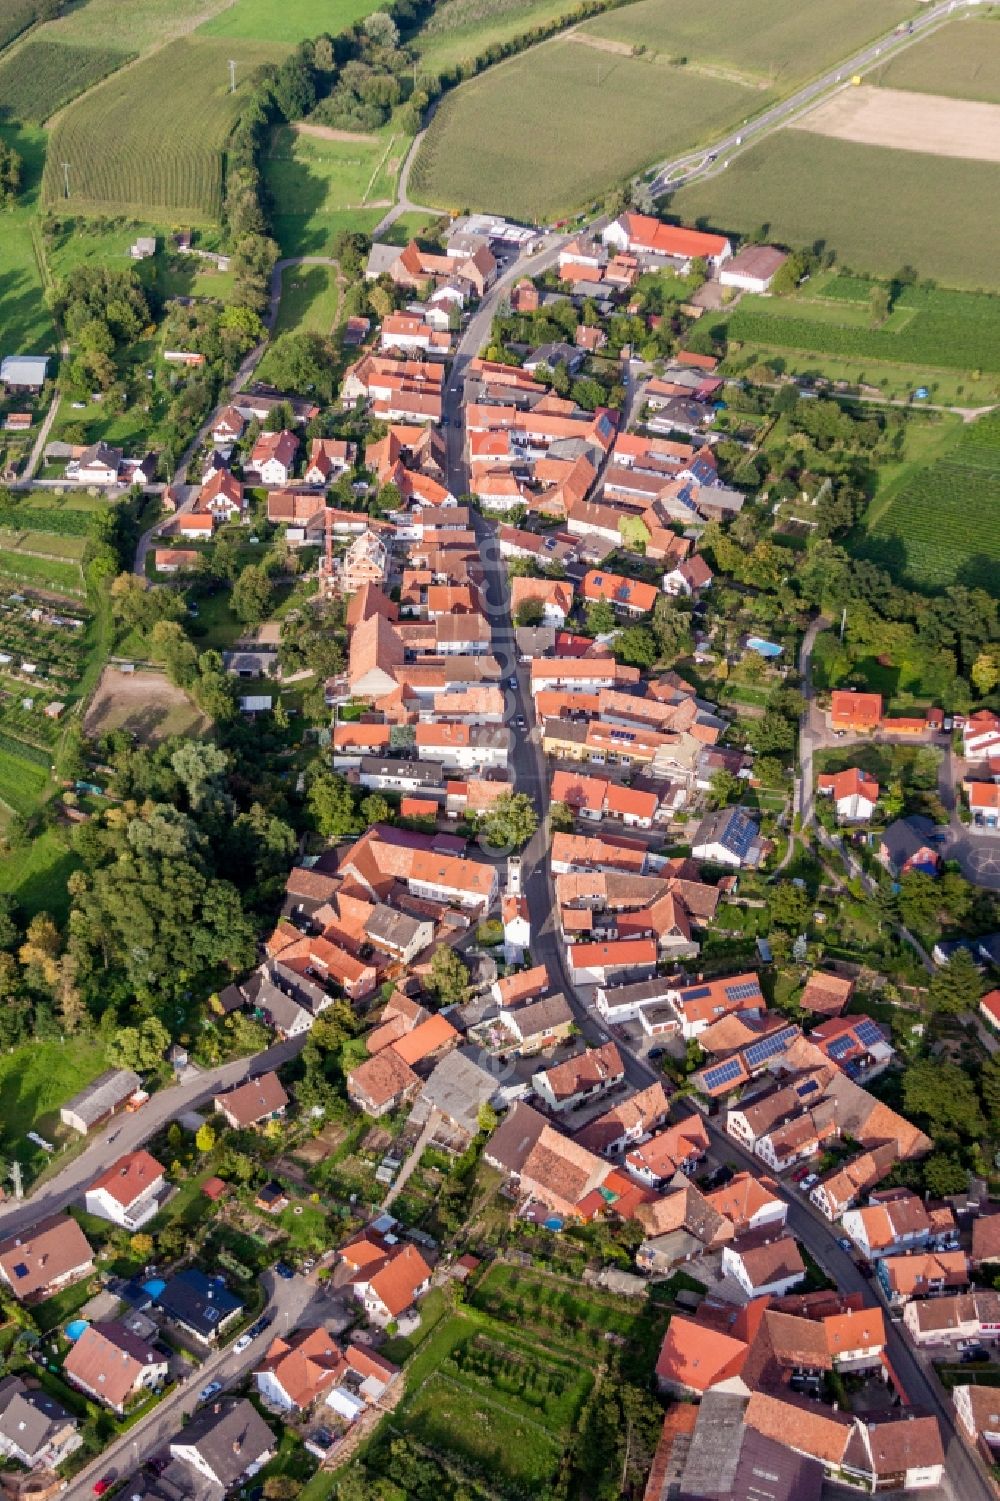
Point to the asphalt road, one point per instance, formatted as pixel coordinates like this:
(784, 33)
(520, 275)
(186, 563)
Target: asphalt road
(714, 159)
(289, 1301)
(127, 1132)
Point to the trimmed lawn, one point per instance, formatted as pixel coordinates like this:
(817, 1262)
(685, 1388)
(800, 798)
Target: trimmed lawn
(289, 21)
(56, 1312)
(320, 185)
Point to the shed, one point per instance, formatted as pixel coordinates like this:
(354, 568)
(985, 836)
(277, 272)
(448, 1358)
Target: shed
(24, 372)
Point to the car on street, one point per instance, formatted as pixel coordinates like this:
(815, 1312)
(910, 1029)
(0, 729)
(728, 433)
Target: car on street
(520, 723)
(799, 1174)
(512, 682)
(243, 1343)
(844, 1243)
(104, 1484)
(809, 1181)
(211, 1390)
(655, 1053)
(284, 1270)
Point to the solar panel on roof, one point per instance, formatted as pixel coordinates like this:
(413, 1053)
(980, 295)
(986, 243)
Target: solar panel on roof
(696, 995)
(868, 1033)
(758, 1051)
(723, 1073)
(742, 992)
(840, 1048)
(807, 1088)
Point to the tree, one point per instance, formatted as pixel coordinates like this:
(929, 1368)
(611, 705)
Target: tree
(772, 733)
(561, 819)
(511, 821)
(39, 953)
(956, 986)
(331, 803)
(252, 594)
(944, 1175)
(723, 788)
(601, 618)
(201, 766)
(141, 1246)
(486, 1118)
(985, 672)
(636, 645)
(10, 174)
(375, 809)
(789, 906)
(530, 612)
(942, 1094)
(448, 977)
(918, 900)
(382, 29)
(205, 1137)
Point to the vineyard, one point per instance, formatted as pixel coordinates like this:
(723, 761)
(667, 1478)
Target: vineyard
(953, 330)
(149, 141)
(943, 525)
(43, 76)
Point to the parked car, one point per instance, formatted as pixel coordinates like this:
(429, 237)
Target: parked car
(809, 1181)
(243, 1343)
(104, 1484)
(284, 1270)
(844, 1243)
(211, 1390)
(799, 1174)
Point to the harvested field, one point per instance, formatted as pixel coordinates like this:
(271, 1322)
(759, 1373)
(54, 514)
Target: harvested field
(144, 703)
(905, 121)
(328, 133)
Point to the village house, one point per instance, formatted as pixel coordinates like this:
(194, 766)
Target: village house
(328, 459)
(970, 1318)
(202, 1306)
(853, 792)
(537, 1025)
(228, 427)
(382, 1083)
(680, 1148)
(753, 269)
(387, 1276)
(922, 1274)
(632, 1120)
(584, 1077)
(100, 1099)
(46, 1259)
(854, 713)
(113, 1365)
(272, 457)
(764, 1263)
(225, 1443)
(35, 1429)
(128, 1193)
(728, 837)
(253, 1104)
(309, 1366)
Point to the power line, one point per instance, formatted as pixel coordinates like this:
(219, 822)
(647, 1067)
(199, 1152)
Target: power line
(232, 75)
(65, 167)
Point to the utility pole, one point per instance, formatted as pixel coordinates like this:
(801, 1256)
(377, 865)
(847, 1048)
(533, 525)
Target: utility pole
(65, 167)
(843, 623)
(232, 75)
(15, 1173)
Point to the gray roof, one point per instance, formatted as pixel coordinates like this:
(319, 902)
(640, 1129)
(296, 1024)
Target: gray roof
(730, 827)
(24, 369)
(283, 1009)
(430, 773)
(541, 1016)
(511, 1143)
(458, 1086)
(903, 838)
(107, 1092)
(392, 927)
(29, 1418)
(641, 991)
(554, 354)
(229, 1436)
(300, 987)
(380, 259)
(728, 1462)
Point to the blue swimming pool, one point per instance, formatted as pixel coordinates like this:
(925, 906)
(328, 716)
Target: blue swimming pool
(154, 1286)
(764, 648)
(74, 1330)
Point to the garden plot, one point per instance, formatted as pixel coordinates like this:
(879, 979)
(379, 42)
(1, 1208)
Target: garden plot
(908, 121)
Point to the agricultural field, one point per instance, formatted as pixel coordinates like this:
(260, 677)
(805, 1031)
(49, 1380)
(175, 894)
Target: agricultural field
(322, 181)
(941, 524)
(776, 44)
(168, 118)
(25, 319)
(876, 209)
(15, 17)
(961, 61)
(290, 21)
(457, 32)
(42, 76)
(927, 327)
(135, 27)
(547, 131)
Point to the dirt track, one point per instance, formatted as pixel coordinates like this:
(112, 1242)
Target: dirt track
(909, 122)
(327, 133)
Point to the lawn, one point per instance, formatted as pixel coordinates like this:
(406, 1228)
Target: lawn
(777, 43)
(941, 524)
(25, 320)
(319, 186)
(37, 1079)
(94, 242)
(309, 300)
(877, 209)
(39, 573)
(168, 118)
(962, 60)
(288, 21)
(551, 129)
(37, 875)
